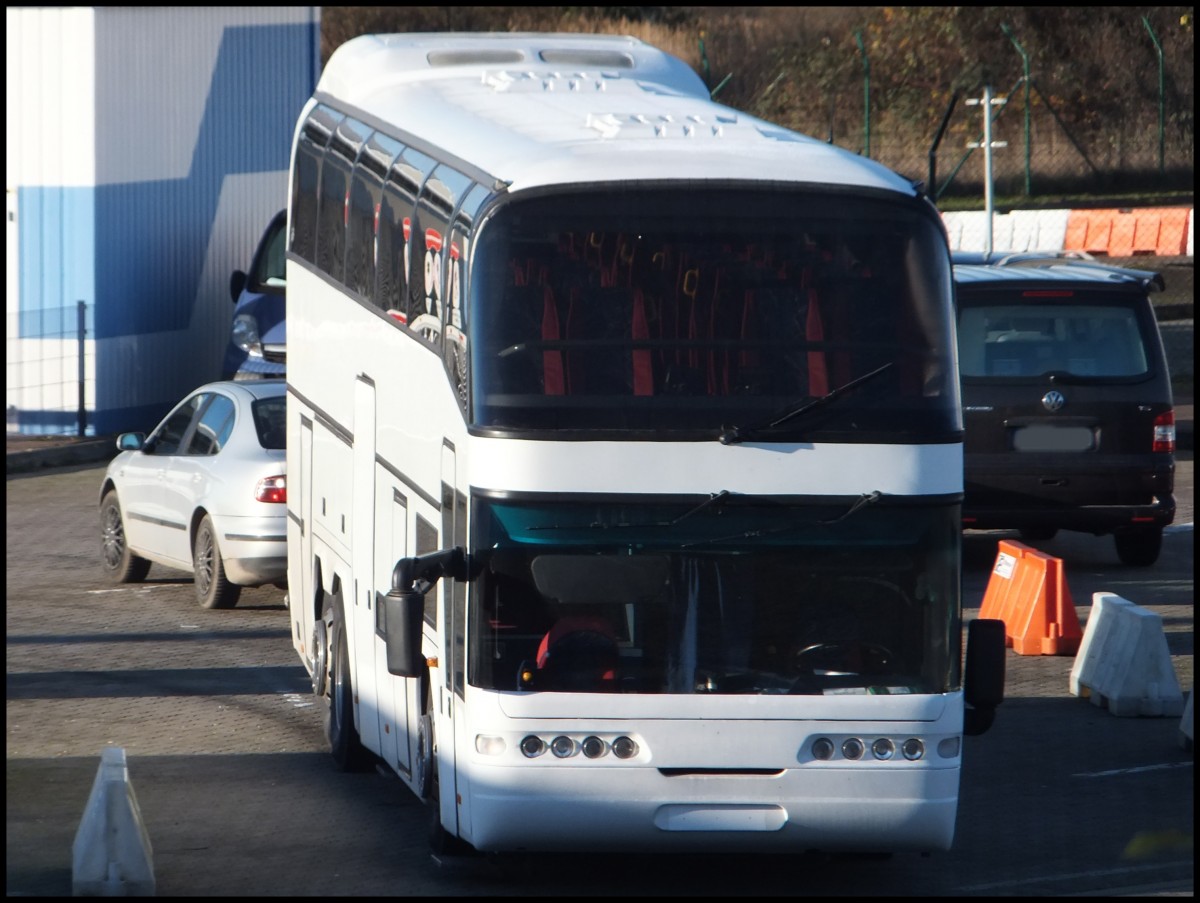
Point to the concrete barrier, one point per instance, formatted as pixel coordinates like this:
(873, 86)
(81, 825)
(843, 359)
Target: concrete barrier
(111, 856)
(1020, 230)
(1159, 231)
(1123, 663)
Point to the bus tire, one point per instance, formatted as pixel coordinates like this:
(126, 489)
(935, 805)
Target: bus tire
(423, 766)
(441, 841)
(344, 744)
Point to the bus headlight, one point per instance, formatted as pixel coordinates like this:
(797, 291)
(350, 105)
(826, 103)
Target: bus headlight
(853, 748)
(948, 748)
(823, 749)
(593, 747)
(563, 747)
(624, 748)
(883, 748)
(489, 745)
(913, 749)
(533, 746)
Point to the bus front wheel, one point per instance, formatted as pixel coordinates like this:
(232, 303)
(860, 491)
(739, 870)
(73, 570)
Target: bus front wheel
(344, 744)
(441, 841)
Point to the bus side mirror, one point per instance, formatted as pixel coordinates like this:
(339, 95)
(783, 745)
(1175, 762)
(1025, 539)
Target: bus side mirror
(237, 282)
(402, 614)
(983, 679)
(402, 610)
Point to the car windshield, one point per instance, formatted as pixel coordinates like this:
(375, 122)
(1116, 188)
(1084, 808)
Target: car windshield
(270, 265)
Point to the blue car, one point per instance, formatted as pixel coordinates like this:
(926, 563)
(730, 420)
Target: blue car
(258, 338)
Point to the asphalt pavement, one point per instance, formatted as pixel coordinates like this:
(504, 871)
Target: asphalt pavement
(227, 752)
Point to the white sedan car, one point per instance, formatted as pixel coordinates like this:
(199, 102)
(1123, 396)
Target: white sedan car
(205, 492)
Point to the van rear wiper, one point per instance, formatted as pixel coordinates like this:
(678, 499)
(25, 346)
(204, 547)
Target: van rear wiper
(734, 434)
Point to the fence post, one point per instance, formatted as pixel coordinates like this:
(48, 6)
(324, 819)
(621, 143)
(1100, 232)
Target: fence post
(1162, 168)
(81, 308)
(1026, 79)
(866, 96)
(987, 102)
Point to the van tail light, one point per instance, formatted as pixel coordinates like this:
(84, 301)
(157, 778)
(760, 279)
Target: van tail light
(1164, 433)
(271, 489)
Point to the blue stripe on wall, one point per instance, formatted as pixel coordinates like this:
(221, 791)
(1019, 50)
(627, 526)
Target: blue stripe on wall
(134, 252)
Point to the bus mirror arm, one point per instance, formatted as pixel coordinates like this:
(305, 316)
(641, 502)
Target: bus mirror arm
(983, 680)
(428, 569)
(404, 606)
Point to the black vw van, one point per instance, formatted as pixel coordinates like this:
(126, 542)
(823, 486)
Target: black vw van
(1067, 404)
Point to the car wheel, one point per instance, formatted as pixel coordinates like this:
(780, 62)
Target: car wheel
(213, 588)
(344, 744)
(120, 564)
(1139, 548)
(1038, 534)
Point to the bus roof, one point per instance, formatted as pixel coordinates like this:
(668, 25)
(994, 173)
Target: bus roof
(536, 109)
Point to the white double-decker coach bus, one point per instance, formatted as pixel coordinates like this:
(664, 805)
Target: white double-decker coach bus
(624, 458)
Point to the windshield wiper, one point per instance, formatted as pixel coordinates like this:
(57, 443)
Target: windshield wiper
(734, 434)
(712, 500)
(869, 498)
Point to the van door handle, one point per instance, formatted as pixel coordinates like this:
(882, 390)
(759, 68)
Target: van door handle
(1055, 481)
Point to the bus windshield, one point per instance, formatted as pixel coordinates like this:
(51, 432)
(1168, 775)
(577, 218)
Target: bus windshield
(725, 596)
(687, 312)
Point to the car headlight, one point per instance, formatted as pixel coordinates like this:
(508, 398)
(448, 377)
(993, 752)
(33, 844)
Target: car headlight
(245, 334)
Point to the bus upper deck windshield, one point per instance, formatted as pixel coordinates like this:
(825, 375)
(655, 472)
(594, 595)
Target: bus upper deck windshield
(662, 309)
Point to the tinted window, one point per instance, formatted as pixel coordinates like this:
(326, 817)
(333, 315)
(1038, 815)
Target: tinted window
(439, 196)
(269, 272)
(455, 330)
(401, 242)
(661, 309)
(166, 439)
(366, 192)
(1028, 339)
(335, 183)
(270, 421)
(213, 428)
(310, 151)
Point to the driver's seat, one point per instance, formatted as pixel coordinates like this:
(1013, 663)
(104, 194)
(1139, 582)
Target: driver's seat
(579, 653)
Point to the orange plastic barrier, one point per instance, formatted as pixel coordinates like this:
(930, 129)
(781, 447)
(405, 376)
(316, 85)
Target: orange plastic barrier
(1028, 592)
(1128, 233)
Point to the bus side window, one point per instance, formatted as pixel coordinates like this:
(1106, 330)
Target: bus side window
(407, 175)
(310, 152)
(335, 189)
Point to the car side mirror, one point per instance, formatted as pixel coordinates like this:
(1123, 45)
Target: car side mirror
(237, 282)
(131, 441)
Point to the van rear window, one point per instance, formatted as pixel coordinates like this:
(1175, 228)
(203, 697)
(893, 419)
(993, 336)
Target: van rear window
(1024, 340)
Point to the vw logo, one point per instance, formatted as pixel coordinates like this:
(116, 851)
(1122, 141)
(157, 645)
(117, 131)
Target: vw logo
(1053, 400)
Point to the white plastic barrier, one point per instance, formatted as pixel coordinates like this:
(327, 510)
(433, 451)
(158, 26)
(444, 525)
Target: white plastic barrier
(1018, 231)
(1123, 662)
(111, 856)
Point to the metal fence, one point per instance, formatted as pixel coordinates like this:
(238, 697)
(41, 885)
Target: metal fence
(1092, 101)
(50, 371)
